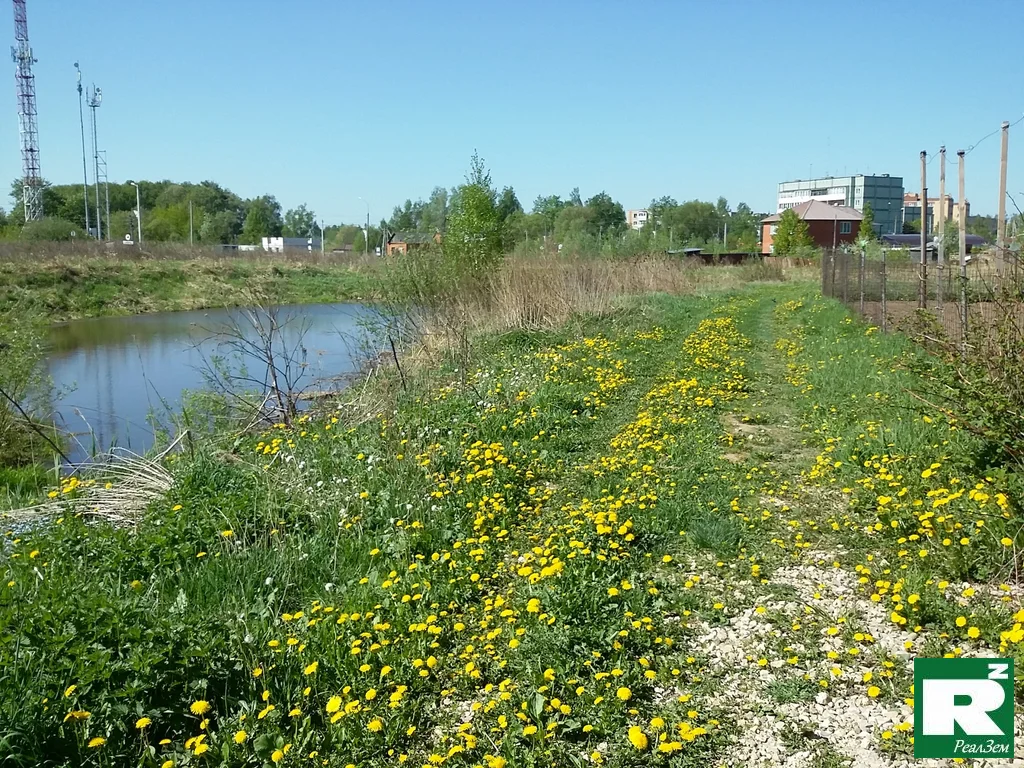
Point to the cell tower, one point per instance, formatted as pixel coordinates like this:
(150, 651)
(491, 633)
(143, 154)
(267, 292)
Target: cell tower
(21, 53)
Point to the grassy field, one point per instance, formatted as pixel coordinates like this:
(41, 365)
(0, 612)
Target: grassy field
(65, 287)
(691, 531)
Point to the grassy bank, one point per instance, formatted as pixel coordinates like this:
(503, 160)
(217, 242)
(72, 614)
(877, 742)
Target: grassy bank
(690, 531)
(68, 287)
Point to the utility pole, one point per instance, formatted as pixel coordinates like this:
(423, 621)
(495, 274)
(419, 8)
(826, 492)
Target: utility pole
(138, 208)
(942, 224)
(962, 226)
(94, 100)
(922, 289)
(323, 238)
(1001, 222)
(85, 169)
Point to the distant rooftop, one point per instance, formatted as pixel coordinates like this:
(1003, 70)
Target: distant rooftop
(815, 210)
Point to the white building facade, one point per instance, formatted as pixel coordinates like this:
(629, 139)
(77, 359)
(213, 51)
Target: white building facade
(637, 219)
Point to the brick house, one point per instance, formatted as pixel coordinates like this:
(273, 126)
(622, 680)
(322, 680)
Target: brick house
(828, 225)
(403, 242)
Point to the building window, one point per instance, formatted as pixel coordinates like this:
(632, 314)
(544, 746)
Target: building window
(845, 227)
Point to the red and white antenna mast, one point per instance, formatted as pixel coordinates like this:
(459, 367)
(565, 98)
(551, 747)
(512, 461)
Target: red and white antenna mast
(21, 52)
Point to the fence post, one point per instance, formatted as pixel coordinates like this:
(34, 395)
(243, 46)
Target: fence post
(863, 259)
(846, 278)
(884, 321)
(824, 275)
(832, 260)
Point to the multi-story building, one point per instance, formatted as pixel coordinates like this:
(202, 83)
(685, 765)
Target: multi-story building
(637, 219)
(947, 209)
(883, 193)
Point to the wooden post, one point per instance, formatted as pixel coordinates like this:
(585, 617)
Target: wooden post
(1001, 221)
(922, 287)
(863, 259)
(962, 225)
(941, 277)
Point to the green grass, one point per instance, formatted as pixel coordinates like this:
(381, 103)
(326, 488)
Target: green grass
(541, 548)
(66, 289)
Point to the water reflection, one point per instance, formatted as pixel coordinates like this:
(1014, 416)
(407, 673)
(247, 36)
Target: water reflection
(118, 371)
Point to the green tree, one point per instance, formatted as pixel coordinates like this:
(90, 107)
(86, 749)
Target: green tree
(169, 223)
(791, 233)
(867, 225)
(572, 222)
(508, 204)
(472, 239)
(548, 207)
(300, 222)
(218, 228)
(606, 216)
(262, 219)
(658, 207)
(574, 197)
(694, 222)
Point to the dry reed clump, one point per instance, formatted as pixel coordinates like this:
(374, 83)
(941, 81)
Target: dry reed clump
(120, 487)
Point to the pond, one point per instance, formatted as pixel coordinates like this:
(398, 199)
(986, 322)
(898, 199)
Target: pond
(115, 375)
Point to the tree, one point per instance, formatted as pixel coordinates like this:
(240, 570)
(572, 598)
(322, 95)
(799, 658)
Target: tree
(508, 204)
(574, 197)
(606, 216)
(658, 207)
(548, 207)
(473, 237)
(262, 219)
(434, 211)
(573, 221)
(218, 227)
(867, 225)
(912, 227)
(694, 222)
(791, 233)
(299, 222)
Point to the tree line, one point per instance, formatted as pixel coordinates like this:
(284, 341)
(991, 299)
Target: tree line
(219, 216)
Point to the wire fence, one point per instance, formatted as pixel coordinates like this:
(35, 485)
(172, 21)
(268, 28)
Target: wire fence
(964, 306)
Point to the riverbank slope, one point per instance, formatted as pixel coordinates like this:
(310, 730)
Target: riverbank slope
(60, 289)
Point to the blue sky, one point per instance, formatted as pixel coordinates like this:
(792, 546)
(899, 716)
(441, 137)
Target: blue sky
(323, 102)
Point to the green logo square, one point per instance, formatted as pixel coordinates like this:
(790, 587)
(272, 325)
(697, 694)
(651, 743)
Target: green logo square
(963, 708)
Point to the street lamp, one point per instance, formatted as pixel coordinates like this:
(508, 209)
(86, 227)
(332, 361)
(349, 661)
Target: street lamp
(138, 209)
(366, 232)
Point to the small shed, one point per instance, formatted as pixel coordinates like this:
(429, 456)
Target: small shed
(403, 242)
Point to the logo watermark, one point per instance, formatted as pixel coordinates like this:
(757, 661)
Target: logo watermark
(963, 708)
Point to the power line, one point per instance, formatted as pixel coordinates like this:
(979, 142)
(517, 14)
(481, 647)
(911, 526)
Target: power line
(987, 136)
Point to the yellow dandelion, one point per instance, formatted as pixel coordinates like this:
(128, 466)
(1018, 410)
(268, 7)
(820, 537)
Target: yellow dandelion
(142, 722)
(200, 707)
(637, 737)
(240, 737)
(97, 741)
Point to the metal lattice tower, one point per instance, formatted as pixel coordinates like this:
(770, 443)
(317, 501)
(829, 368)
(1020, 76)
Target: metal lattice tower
(21, 53)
